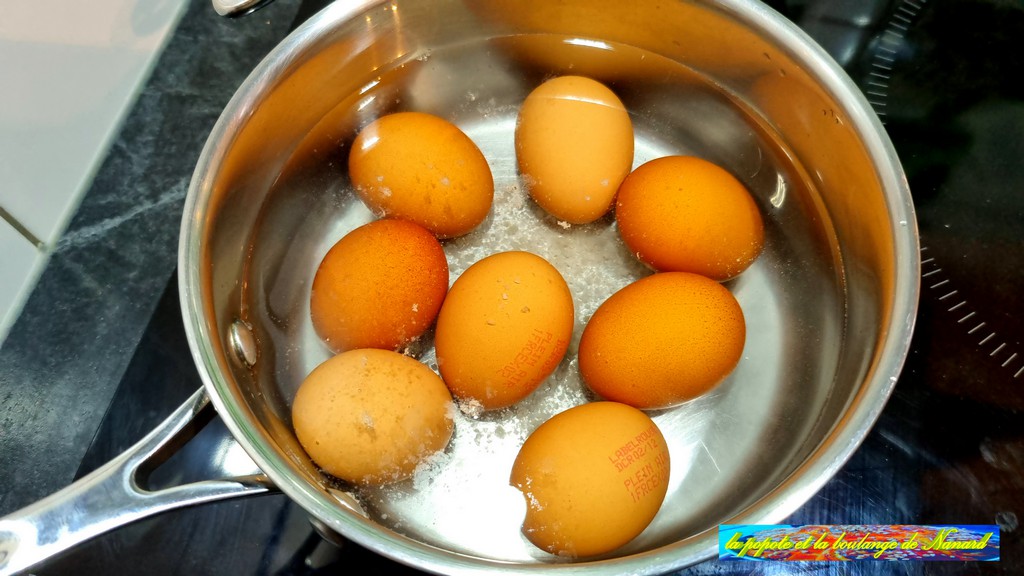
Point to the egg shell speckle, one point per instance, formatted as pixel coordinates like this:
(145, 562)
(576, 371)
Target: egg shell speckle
(380, 286)
(422, 168)
(371, 416)
(504, 327)
(662, 340)
(686, 214)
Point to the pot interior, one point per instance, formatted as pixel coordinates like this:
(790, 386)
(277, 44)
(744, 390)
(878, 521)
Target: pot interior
(828, 305)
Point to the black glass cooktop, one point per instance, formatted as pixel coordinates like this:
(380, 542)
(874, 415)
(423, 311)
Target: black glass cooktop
(949, 447)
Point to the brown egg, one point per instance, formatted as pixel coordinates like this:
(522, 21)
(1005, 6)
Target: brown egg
(503, 328)
(685, 214)
(380, 286)
(594, 477)
(662, 340)
(422, 168)
(574, 145)
(372, 416)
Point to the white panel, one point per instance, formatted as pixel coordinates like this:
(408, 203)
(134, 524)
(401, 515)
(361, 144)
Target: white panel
(69, 71)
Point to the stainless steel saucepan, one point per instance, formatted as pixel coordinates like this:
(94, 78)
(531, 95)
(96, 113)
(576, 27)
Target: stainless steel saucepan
(830, 304)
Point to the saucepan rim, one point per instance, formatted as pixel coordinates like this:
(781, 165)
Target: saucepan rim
(815, 471)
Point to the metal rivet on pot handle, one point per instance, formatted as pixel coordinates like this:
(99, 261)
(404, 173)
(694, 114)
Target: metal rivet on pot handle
(238, 7)
(111, 496)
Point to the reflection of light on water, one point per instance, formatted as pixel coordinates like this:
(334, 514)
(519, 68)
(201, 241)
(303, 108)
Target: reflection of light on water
(576, 98)
(371, 139)
(588, 43)
(362, 106)
(779, 197)
(369, 86)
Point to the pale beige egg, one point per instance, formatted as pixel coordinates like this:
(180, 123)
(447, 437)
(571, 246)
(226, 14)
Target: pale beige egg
(574, 145)
(371, 416)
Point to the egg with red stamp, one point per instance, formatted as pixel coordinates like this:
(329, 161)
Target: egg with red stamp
(503, 329)
(593, 476)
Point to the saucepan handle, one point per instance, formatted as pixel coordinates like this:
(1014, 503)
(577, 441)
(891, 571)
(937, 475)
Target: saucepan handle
(233, 8)
(114, 494)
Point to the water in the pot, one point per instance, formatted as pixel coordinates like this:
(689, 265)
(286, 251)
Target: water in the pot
(725, 445)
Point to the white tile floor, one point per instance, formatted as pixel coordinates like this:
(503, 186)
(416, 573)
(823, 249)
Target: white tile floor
(69, 71)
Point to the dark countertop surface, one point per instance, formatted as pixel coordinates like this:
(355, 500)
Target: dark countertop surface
(66, 353)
